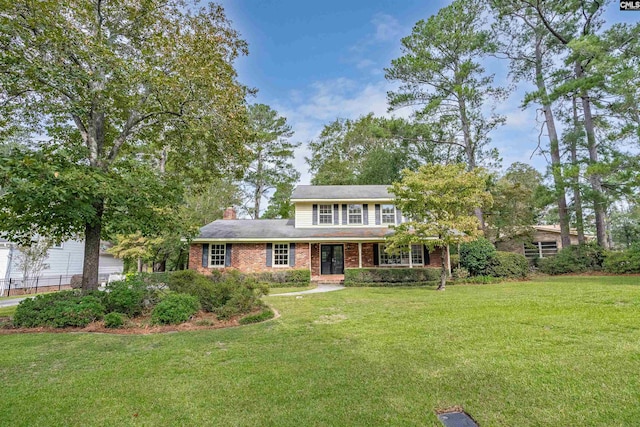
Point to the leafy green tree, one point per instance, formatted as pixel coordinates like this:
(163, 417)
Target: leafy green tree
(120, 91)
(280, 205)
(439, 200)
(271, 155)
(369, 150)
(441, 73)
(515, 206)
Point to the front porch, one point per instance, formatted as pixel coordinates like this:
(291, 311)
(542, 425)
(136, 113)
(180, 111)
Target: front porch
(328, 279)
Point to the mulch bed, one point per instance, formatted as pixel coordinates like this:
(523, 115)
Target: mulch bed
(137, 326)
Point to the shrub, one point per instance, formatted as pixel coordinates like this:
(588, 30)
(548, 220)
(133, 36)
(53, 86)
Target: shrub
(174, 309)
(59, 310)
(460, 273)
(193, 283)
(391, 276)
(508, 264)
(236, 293)
(265, 314)
(476, 256)
(285, 278)
(622, 262)
(574, 259)
(131, 296)
(114, 320)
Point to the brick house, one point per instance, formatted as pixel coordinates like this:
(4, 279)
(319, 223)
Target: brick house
(541, 241)
(335, 227)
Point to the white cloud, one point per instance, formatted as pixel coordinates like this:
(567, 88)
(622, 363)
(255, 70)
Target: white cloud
(386, 27)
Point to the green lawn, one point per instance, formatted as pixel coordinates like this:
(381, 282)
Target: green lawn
(559, 352)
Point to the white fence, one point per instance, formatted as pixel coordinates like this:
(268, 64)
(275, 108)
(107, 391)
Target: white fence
(10, 287)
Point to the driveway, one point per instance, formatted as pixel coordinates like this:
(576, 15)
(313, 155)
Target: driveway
(318, 290)
(11, 302)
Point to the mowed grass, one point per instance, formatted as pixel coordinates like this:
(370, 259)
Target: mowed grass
(558, 352)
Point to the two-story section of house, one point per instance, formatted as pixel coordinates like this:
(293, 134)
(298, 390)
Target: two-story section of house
(335, 227)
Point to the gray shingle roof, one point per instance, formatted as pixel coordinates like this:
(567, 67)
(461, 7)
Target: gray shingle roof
(283, 229)
(344, 192)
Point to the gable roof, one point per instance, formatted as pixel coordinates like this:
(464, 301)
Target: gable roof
(251, 230)
(341, 192)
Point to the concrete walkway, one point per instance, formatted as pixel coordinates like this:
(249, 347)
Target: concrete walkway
(318, 290)
(11, 302)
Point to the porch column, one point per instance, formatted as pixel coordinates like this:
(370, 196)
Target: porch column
(410, 257)
(359, 254)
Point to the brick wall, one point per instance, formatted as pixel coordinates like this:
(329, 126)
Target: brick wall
(249, 258)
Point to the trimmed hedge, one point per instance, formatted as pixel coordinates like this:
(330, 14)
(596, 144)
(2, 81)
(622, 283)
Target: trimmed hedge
(356, 277)
(574, 259)
(508, 264)
(59, 310)
(285, 278)
(174, 309)
(476, 256)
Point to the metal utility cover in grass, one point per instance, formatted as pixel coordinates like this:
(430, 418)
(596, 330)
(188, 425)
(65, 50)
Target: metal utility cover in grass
(456, 419)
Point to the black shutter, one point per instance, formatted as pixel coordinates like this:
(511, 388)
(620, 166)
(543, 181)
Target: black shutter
(398, 216)
(365, 214)
(315, 215)
(425, 256)
(344, 214)
(205, 255)
(269, 246)
(376, 252)
(378, 219)
(227, 255)
(336, 214)
(292, 254)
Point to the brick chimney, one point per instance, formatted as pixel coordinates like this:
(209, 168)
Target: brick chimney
(229, 213)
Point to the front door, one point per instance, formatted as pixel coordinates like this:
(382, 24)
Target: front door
(331, 259)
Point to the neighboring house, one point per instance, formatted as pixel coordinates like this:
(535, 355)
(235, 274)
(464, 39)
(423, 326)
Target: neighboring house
(64, 260)
(544, 241)
(335, 227)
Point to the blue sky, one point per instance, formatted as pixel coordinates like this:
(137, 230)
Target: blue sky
(315, 61)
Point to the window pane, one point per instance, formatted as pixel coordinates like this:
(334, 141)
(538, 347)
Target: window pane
(388, 214)
(281, 254)
(355, 214)
(326, 214)
(401, 258)
(217, 255)
(416, 254)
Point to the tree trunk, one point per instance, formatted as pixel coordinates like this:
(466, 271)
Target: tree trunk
(92, 250)
(595, 179)
(554, 148)
(577, 197)
(443, 271)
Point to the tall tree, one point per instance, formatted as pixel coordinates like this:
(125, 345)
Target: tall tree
(440, 200)
(280, 205)
(369, 150)
(110, 83)
(441, 72)
(532, 52)
(271, 155)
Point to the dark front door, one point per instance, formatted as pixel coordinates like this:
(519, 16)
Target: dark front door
(331, 259)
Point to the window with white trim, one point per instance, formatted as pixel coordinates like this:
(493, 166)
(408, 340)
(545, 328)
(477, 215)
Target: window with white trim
(218, 253)
(402, 258)
(325, 214)
(57, 246)
(280, 254)
(388, 214)
(355, 214)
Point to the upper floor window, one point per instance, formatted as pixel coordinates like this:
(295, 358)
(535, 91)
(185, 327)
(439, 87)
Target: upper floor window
(355, 214)
(218, 253)
(325, 214)
(280, 254)
(57, 246)
(388, 214)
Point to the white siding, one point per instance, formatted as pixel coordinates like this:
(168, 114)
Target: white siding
(65, 261)
(109, 264)
(4, 262)
(304, 215)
